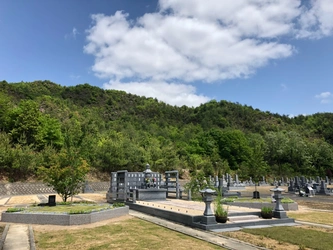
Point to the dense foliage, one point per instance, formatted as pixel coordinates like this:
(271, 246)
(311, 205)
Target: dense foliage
(40, 122)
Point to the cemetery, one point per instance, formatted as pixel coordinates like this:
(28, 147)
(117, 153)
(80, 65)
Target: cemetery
(136, 187)
(142, 191)
(163, 196)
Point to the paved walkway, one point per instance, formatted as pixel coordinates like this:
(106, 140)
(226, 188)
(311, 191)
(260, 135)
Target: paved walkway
(17, 238)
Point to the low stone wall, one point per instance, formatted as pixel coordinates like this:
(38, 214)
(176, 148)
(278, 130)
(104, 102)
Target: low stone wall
(20, 188)
(196, 221)
(259, 205)
(63, 219)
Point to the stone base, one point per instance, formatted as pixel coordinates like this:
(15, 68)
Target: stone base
(280, 214)
(208, 220)
(151, 194)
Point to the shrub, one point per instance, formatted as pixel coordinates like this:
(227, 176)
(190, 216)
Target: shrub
(266, 210)
(118, 204)
(287, 200)
(14, 209)
(218, 207)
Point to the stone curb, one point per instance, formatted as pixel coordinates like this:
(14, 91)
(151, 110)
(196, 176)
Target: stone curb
(3, 237)
(31, 238)
(314, 224)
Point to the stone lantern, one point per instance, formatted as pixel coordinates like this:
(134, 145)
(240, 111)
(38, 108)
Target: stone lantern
(279, 210)
(208, 197)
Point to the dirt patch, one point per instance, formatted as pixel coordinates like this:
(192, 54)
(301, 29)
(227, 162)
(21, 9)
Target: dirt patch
(97, 197)
(26, 199)
(316, 205)
(261, 241)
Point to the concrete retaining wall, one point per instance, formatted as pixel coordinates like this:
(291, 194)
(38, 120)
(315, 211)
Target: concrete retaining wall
(63, 219)
(19, 188)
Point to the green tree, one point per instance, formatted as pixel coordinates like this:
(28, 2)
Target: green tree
(4, 109)
(49, 132)
(321, 157)
(24, 121)
(257, 166)
(67, 175)
(233, 146)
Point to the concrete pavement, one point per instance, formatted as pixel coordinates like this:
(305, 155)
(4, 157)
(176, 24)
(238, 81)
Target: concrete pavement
(17, 238)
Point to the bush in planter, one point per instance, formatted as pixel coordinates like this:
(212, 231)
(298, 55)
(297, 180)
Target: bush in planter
(266, 212)
(221, 214)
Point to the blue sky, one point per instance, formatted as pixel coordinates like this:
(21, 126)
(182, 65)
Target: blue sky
(276, 56)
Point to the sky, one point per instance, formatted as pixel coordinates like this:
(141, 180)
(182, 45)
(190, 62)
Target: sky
(274, 55)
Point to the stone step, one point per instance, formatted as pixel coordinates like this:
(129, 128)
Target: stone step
(243, 218)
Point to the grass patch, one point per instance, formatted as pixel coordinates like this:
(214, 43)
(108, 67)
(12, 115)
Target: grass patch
(71, 208)
(128, 234)
(298, 236)
(313, 216)
(14, 209)
(118, 204)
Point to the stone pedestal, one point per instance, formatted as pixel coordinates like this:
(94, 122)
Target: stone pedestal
(208, 220)
(207, 197)
(279, 210)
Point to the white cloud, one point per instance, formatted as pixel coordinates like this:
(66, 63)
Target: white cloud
(194, 40)
(317, 21)
(325, 97)
(73, 34)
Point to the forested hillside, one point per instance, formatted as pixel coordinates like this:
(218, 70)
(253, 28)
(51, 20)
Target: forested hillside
(44, 124)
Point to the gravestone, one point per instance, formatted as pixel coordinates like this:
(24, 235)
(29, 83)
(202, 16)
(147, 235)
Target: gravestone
(323, 188)
(216, 181)
(291, 187)
(221, 185)
(297, 182)
(229, 180)
(52, 200)
(287, 181)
